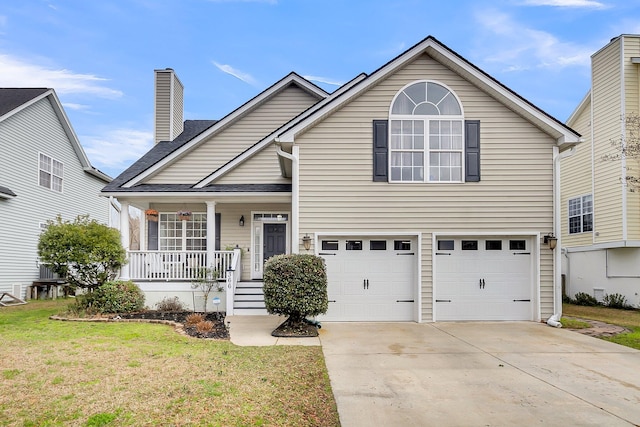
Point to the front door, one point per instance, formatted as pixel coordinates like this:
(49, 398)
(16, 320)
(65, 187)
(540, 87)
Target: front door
(275, 240)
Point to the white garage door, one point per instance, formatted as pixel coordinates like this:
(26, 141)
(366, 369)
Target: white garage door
(371, 278)
(488, 278)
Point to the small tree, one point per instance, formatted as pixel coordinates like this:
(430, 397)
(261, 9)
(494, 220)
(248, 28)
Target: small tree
(295, 285)
(83, 252)
(207, 281)
(627, 147)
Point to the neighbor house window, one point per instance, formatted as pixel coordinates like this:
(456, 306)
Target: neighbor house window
(426, 135)
(183, 235)
(581, 214)
(51, 173)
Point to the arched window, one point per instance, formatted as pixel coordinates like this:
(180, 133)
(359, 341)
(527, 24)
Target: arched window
(426, 135)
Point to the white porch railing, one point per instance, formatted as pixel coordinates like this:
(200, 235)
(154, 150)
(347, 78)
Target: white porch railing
(176, 265)
(233, 274)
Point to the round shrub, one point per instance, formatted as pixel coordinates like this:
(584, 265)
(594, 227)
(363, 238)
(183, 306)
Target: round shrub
(116, 297)
(295, 285)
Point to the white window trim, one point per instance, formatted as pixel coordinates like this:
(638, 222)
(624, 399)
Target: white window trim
(581, 215)
(51, 173)
(184, 232)
(426, 150)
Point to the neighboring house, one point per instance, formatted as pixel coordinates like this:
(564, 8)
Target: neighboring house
(44, 172)
(427, 186)
(600, 215)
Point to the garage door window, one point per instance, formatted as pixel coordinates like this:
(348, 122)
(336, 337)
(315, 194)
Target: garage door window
(329, 245)
(378, 245)
(446, 245)
(402, 245)
(354, 245)
(469, 245)
(493, 245)
(517, 245)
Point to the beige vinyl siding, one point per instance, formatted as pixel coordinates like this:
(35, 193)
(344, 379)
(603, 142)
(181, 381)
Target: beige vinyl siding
(577, 179)
(242, 134)
(231, 234)
(632, 107)
(607, 110)
(261, 168)
(178, 108)
(162, 107)
(515, 194)
(23, 136)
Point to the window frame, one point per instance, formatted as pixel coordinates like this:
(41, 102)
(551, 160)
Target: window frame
(182, 228)
(581, 215)
(426, 151)
(56, 184)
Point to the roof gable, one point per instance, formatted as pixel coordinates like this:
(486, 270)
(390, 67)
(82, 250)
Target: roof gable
(176, 152)
(455, 62)
(14, 100)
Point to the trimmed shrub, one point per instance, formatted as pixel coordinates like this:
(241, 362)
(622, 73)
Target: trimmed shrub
(118, 297)
(295, 285)
(583, 298)
(170, 304)
(615, 301)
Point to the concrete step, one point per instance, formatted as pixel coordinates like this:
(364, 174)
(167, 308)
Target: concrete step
(249, 297)
(249, 291)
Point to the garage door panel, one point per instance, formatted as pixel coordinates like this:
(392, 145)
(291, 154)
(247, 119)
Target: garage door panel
(487, 283)
(371, 285)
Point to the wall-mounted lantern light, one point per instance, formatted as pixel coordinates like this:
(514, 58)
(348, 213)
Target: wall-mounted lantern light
(241, 222)
(551, 240)
(306, 242)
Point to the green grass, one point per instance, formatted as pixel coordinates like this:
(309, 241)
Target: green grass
(574, 323)
(55, 373)
(629, 319)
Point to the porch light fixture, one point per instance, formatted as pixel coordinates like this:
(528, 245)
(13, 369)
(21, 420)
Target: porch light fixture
(306, 242)
(551, 240)
(241, 222)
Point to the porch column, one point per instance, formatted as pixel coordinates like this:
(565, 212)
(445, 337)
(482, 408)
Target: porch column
(124, 236)
(211, 232)
(143, 231)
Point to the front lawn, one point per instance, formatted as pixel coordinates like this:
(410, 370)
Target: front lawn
(56, 373)
(628, 318)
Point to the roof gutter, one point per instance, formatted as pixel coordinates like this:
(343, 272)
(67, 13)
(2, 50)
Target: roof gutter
(557, 254)
(295, 192)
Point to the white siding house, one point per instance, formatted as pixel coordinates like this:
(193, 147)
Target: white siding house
(427, 186)
(44, 172)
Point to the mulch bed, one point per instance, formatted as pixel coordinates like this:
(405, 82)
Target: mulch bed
(219, 330)
(176, 319)
(291, 329)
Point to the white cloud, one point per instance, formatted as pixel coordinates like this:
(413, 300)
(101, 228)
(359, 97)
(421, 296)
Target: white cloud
(76, 107)
(245, 77)
(116, 149)
(590, 4)
(324, 80)
(18, 73)
(521, 48)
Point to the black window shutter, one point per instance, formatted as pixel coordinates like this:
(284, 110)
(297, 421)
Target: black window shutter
(380, 150)
(472, 150)
(152, 235)
(218, 228)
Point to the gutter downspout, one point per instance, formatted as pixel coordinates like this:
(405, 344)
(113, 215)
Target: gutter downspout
(295, 194)
(557, 254)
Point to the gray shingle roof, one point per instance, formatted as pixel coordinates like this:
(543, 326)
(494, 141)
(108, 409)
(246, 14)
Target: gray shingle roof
(12, 98)
(214, 188)
(192, 128)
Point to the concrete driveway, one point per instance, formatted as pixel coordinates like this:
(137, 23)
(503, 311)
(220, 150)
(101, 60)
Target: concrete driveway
(478, 374)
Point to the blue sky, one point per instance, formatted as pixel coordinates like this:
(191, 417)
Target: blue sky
(99, 56)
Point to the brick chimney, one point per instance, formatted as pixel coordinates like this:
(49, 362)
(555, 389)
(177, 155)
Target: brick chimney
(169, 105)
